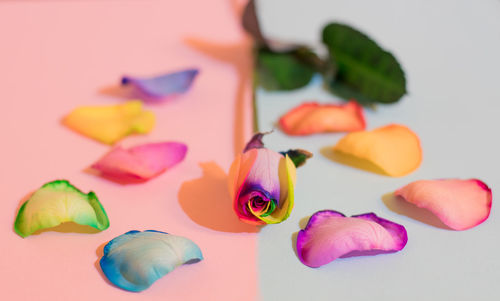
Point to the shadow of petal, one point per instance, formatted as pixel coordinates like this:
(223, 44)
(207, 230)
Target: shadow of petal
(207, 202)
(119, 91)
(100, 253)
(400, 206)
(69, 227)
(302, 224)
(352, 161)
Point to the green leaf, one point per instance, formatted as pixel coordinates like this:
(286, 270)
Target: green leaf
(298, 156)
(364, 71)
(283, 70)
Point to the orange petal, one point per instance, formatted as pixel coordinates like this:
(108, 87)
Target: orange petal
(394, 149)
(238, 173)
(109, 124)
(460, 204)
(311, 118)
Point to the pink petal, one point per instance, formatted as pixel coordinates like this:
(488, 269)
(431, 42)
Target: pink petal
(140, 162)
(460, 204)
(330, 235)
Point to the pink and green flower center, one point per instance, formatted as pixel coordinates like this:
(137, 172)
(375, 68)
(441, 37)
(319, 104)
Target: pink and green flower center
(259, 203)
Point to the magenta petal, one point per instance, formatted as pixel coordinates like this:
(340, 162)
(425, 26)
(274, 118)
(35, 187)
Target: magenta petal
(140, 162)
(330, 235)
(164, 85)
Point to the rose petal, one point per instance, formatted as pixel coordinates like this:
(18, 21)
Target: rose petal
(460, 204)
(58, 202)
(238, 173)
(330, 235)
(264, 173)
(109, 124)
(255, 141)
(135, 260)
(287, 176)
(394, 148)
(159, 87)
(140, 162)
(311, 118)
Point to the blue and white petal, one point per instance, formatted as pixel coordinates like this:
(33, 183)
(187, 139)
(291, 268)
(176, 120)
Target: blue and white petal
(135, 260)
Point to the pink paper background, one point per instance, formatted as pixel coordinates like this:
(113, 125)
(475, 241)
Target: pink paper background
(57, 55)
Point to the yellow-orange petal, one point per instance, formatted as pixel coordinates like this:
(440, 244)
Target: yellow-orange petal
(109, 124)
(394, 149)
(311, 118)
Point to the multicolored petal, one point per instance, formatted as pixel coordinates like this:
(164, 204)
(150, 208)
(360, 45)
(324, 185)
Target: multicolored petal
(238, 173)
(264, 173)
(159, 87)
(459, 204)
(330, 234)
(109, 124)
(58, 202)
(287, 176)
(135, 260)
(394, 149)
(311, 118)
(141, 162)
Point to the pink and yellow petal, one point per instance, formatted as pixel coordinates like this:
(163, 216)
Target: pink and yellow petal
(111, 123)
(459, 204)
(330, 235)
(311, 118)
(140, 162)
(58, 202)
(286, 203)
(395, 149)
(264, 173)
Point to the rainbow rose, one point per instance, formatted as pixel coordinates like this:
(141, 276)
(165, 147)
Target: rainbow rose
(262, 181)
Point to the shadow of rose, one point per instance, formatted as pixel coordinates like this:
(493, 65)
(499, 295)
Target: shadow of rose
(238, 55)
(207, 202)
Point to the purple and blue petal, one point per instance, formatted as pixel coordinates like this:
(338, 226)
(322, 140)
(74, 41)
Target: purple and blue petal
(163, 86)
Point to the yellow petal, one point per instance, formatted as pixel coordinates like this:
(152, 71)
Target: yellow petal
(393, 149)
(109, 124)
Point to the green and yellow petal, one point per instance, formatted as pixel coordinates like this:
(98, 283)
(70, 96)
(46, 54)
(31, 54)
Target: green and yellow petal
(58, 202)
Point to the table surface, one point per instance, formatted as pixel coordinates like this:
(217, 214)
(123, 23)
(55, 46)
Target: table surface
(57, 55)
(450, 53)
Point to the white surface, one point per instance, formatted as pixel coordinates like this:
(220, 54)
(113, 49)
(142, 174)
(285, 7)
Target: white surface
(450, 51)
